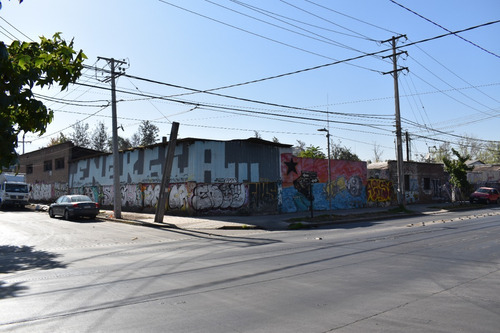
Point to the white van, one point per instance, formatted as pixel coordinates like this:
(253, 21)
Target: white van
(13, 190)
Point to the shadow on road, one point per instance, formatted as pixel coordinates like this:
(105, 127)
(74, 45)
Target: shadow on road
(20, 258)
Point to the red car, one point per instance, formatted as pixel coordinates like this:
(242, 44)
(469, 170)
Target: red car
(485, 195)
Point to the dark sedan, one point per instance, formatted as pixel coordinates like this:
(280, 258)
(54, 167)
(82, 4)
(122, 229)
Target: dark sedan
(70, 206)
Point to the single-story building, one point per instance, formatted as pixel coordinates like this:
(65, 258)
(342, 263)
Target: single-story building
(423, 182)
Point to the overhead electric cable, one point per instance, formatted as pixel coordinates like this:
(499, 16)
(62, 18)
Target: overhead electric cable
(16, 29)
(346, 60)
(236, 109)
(324, 19)
(274, 15)
(261, 36)
(323, 40)
(454, 33)
(353, 18)
(236, 98)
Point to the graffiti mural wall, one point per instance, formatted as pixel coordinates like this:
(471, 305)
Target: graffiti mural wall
(379, 192)
(304, 179)
(189, 198)
(47, 192)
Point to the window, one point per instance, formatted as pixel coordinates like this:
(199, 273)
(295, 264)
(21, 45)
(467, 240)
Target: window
(208, 176)
(59, 163)
(427, 184)
(47, 165)
(29, 169)
(208, 155)
(407, 182)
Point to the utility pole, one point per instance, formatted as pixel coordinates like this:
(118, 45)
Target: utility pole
(408, 153)
(329, 185)
(117, 203)
(399, 144)
(167, 170)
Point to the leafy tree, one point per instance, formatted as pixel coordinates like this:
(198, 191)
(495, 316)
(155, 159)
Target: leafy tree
(457, 169)
(80, 135)
(438, 154)
(123, 143)
(300, 147)
(471, 146)
(312, 152)
(99, 140)
(147, 133)
(9, 0)
(491, 153)
(135, 140)
(24, 66)
(339, 152)
(57, 140)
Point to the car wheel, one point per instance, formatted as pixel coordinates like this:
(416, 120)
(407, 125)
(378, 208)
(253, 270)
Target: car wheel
(66, 214)
(51, 213)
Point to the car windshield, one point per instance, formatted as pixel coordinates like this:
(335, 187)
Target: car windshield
(81, 198)
(21, 188)
(482, 190)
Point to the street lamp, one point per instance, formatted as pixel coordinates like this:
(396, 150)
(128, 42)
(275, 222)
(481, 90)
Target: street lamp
(329, 169)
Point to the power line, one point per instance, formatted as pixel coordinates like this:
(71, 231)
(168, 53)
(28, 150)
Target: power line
(324, 19)
(261, 36)
(345, 60)
(274, 15)
(238, 98)
(353, 18)
(16, 29)
(200, 105)
(454, 33)
(324, 40)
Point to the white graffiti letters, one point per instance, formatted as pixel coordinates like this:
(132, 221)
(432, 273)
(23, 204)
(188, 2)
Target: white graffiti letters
(221, 196)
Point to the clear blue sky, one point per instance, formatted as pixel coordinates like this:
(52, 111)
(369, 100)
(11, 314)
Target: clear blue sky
(452, 85)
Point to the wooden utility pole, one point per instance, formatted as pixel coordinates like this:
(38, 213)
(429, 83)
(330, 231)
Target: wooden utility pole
(117, 203)
(408, 153)
(167, 170)
(399, 141)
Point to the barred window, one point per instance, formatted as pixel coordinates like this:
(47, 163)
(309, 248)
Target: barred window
(47, 165)
(59, 163)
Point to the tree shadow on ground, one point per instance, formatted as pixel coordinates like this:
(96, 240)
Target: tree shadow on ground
(21, 258)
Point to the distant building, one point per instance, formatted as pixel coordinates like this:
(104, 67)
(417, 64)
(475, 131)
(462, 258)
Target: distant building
(47, 169)
(485, 175)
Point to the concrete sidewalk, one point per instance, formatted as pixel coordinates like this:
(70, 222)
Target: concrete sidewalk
(280, 221)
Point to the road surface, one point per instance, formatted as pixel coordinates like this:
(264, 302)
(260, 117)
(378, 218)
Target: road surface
(422, 274)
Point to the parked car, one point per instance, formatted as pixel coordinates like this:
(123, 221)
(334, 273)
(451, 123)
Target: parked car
(485, 195)
(70, 206)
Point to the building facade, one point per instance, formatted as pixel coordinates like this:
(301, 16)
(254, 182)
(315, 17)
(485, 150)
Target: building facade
(208, 177)
(424, 183)
(47, 169)
(484, 175)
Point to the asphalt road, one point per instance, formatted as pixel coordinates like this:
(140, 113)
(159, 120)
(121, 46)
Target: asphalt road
(386, 276)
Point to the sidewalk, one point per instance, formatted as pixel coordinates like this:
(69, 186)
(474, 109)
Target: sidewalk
(278, 221)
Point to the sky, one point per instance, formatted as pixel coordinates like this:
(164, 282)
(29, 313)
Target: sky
(228, 69)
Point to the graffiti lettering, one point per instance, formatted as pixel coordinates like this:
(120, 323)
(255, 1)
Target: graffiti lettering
(379, 190)
(178, 197)
(151, 194)
(263, 196)
(223, 196)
